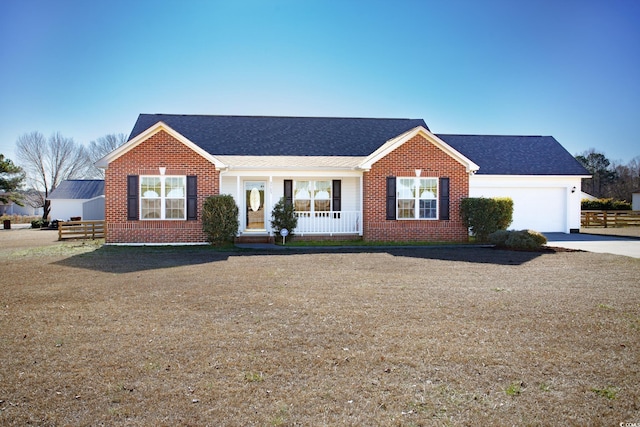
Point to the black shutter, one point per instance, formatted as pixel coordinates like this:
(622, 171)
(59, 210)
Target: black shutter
(288, 191)
(132, 197)
(391, 197)
(192, 197)
(444, 198)
(336, 194)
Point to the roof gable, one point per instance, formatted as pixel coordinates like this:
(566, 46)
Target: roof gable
(516, 155)
(146, 134)
(396, 142)
(80, 189)
(281, 136)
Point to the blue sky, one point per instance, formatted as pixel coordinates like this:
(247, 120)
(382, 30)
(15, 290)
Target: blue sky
(570, 69)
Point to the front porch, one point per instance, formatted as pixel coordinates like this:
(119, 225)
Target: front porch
(329, 223)
(326, 206)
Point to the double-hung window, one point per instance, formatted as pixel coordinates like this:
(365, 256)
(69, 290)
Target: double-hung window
(312, 196)
(163, 197)
(417, 198)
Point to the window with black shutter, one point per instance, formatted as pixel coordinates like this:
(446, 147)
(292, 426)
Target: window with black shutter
(391, 197)
(444, 199)
(132, 197)
(288, 191)
(336, 197)
(192, 198)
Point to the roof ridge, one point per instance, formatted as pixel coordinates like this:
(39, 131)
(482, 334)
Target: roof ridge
(495, 135)
(279, 116)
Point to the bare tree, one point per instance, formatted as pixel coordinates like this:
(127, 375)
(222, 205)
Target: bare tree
(103, 146)
(48, 162)
(627, 180)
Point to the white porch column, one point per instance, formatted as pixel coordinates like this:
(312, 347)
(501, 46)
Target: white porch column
(269, 206)
(239, 201)
(361, 208)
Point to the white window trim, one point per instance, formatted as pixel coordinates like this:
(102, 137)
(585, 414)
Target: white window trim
(312, 190)
(416, 199)
(163, 198)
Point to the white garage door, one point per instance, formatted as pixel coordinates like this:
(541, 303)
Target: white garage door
(540, 209)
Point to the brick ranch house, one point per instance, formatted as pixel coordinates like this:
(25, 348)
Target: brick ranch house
(379, 179)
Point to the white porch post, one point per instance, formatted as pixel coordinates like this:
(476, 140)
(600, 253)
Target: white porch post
(269, 206)
(220, 182)
(239, 199)
(361, 226)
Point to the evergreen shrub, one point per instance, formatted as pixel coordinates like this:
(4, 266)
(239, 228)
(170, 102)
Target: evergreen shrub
(220, 219)
(482, 216)
(284, 216)
(524, 240)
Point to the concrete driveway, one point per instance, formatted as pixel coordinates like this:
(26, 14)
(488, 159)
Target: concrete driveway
(596, 243)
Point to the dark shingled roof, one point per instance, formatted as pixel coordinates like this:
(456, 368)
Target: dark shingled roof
(321, 136)
(78, 189)
(281, 136)
(516, 155)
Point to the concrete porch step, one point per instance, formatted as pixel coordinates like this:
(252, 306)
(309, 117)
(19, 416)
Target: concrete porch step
(254, 239)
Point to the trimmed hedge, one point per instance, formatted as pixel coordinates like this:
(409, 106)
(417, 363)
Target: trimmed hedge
(525, 240)
(605, 205)
(220, 219)
(482, 216)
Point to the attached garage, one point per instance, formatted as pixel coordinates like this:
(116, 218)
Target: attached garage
(536, 172)
(540, 208)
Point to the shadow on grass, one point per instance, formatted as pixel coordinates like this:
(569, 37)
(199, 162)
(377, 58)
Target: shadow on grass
(127, 259)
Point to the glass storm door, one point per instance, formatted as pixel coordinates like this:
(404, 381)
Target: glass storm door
(254, 204)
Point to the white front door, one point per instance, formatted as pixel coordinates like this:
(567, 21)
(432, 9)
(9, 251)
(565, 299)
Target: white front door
(254, 205)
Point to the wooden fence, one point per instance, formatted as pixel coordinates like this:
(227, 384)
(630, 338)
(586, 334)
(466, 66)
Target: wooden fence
(81, 229)
(610, 218)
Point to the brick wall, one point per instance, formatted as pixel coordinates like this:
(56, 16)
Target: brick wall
(417, 153)
(161, 149)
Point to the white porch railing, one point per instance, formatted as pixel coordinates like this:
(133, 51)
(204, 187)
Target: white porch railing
(342, 222)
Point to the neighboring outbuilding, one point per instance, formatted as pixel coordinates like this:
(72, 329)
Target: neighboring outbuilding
(635, 200)
(30, 199)
(379, 179)
(78, 198)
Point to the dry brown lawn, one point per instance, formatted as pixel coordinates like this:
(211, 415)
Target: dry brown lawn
(94, 335)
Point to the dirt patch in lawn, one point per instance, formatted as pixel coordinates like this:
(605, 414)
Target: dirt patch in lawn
(421, 336)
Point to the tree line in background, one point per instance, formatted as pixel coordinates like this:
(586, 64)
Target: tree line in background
(43, 163)
(610, 180)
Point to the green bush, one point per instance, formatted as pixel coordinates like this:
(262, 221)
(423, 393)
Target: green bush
(605, 205)
(220, 219)
(499, 238)
(524, 240)
(483, 216)
(284, 216)
(39, 223)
